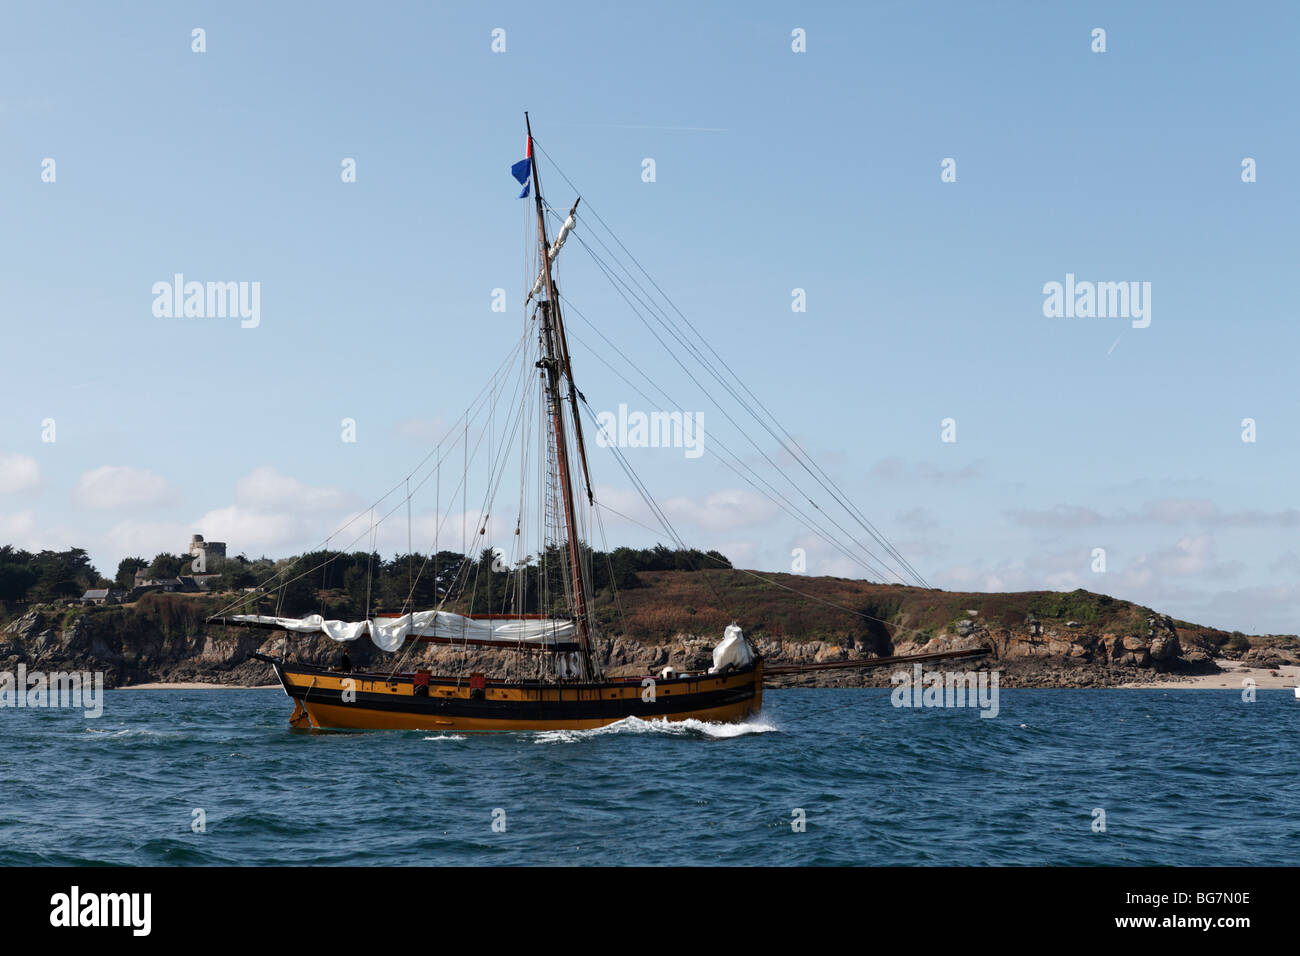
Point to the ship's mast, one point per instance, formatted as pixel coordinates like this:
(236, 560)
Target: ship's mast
(555, 362)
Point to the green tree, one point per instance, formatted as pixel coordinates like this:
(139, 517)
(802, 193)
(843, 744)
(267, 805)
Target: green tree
(165, 565)
(16, 574)
(126, 569)
(62, 574)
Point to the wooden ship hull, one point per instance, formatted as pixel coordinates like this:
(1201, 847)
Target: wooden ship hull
(327, 699)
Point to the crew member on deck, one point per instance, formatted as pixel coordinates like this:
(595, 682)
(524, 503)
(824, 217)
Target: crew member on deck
(345, 665)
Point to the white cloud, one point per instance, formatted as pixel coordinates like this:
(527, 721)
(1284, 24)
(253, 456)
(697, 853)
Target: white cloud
(1258, 609)
(278, 515)
(25, 530)
(1178, 510)
(116, 487)
(272, 514)
(1193, 556)
(132, 538)
(741, 554)
(732, 509)
(1174, 579)
(430, 431)
(625, 501)
(1168, 511)
(1062, 570)
(18, 473)
(820, 558)
(1190, 556)
(17, 528)
(254, 532)
(1062, 516)
(266, 488)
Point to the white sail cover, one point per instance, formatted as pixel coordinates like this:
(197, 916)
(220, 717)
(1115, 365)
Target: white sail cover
(734, 649)
(390, 633)
(556, 246)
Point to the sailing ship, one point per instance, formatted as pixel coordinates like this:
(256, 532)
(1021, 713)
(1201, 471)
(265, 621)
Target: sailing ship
(550, 633)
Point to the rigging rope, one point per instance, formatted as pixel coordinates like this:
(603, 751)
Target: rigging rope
(802, 457)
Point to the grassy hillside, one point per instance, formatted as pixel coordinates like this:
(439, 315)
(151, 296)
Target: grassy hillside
(664, 604)
(705, 602)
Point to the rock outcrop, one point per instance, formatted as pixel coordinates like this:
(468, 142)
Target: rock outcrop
(1035, 639)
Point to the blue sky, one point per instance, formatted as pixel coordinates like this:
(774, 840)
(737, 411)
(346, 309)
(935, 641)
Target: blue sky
(775, 170)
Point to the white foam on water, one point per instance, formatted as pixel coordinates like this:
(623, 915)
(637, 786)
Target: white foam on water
(133, 732)
(668, 728)
(446, 737)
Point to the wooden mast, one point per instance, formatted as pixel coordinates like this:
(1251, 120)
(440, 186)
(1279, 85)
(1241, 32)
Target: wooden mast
(573, 389)
(556, 350)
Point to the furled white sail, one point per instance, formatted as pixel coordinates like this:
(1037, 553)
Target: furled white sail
(569, 223)
(390, 633)
(733, 650)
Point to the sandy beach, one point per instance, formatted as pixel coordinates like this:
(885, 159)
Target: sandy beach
(1234, 672)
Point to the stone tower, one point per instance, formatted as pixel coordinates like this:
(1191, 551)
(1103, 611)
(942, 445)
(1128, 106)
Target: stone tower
(208, 555)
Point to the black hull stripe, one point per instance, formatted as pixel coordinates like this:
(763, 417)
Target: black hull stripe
(303, 670)
(531, 709)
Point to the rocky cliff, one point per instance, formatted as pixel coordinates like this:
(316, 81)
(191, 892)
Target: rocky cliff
(1035, 639)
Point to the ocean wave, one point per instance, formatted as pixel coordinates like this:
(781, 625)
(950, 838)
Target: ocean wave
(445, 737)
(109, 733)
(701, 729)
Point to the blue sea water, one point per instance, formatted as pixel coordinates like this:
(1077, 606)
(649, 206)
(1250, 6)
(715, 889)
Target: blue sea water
(1184, 777)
